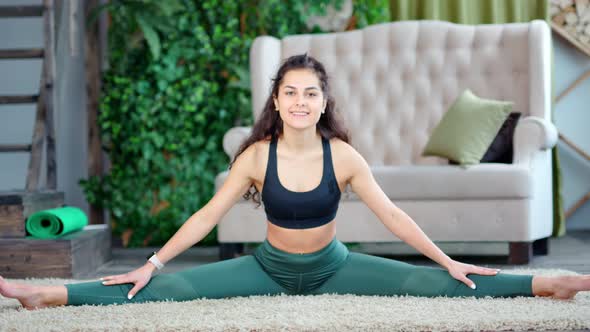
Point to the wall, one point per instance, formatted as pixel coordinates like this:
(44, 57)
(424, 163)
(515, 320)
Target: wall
(572, 114)
(572, 118)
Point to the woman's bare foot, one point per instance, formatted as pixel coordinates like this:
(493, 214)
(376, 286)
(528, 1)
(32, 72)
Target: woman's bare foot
(33, 297)
(561, 287)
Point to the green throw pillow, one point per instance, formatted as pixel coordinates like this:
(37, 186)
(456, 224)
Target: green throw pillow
(467, 129)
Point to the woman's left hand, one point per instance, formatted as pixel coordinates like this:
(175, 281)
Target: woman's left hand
(460, 270)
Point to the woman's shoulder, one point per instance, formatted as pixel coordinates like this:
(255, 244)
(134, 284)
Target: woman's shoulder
(256, 149)
(256, 155)
(345, 154)
(341, 147)
(264, 142)
(261, 146)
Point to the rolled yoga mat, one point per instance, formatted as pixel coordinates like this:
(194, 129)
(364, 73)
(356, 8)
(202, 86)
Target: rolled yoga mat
(54, 223)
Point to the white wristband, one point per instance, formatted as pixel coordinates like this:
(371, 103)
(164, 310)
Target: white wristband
(154, 260)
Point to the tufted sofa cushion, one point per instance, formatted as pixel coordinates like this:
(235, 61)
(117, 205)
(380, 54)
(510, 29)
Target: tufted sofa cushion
(483, 181)
(393, 82)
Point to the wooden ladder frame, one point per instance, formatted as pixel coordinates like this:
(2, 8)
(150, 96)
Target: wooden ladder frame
(44, 130)
(586, 75)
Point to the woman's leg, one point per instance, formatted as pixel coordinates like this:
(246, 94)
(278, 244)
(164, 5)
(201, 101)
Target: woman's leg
(364, 274)
(240, 276)
(33, 296)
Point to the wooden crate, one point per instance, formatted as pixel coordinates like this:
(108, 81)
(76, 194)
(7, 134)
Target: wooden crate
(17, 206)
(74, 255)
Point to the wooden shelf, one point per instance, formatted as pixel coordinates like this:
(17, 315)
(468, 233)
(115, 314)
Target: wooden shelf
(563, 33)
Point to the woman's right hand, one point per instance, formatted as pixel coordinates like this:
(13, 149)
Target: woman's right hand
(140, 277)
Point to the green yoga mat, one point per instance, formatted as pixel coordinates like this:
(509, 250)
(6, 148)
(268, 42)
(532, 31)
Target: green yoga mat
(54, 223)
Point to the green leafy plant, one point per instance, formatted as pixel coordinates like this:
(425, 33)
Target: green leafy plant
(145, 20)
(178, 81)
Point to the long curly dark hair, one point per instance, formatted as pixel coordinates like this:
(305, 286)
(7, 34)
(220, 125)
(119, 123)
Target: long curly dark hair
(270, 123)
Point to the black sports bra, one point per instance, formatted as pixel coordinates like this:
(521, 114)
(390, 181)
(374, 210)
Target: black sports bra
(298, 210)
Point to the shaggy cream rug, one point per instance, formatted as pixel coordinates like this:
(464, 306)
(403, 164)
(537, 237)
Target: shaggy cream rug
(310, 313)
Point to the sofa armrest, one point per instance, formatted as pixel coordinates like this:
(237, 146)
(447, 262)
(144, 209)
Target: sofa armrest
(532, 134)
(233, 138)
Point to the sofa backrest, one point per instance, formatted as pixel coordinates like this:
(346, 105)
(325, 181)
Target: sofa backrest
(393, 82)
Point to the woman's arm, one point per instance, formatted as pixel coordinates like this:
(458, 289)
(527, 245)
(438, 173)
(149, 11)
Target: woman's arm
(194, 229)
(198, 225)
(398, 222)
(203, 221)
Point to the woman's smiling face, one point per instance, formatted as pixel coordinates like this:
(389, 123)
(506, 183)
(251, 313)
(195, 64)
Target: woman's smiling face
(300, 99)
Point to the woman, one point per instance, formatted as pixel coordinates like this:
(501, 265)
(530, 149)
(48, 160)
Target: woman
(297, 143)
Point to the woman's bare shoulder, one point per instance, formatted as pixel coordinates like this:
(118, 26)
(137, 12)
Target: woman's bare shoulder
(261, 146)
(261, 150)
(343, 156)
(255, 150)
(341, 148)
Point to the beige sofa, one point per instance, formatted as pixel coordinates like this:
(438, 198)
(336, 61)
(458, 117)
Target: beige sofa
(392, 83)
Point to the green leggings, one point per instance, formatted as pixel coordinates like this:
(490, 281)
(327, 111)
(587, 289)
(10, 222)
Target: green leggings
(332, 269)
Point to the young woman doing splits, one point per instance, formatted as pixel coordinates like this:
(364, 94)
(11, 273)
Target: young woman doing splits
(298, 158)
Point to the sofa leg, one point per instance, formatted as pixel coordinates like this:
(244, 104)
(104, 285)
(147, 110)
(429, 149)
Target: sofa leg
(541, 247)
(230, 250)
(520, 252)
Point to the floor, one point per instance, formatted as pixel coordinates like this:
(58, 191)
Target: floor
(570, 252)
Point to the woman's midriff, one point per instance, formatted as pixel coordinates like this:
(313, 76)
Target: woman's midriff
(300, 241)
